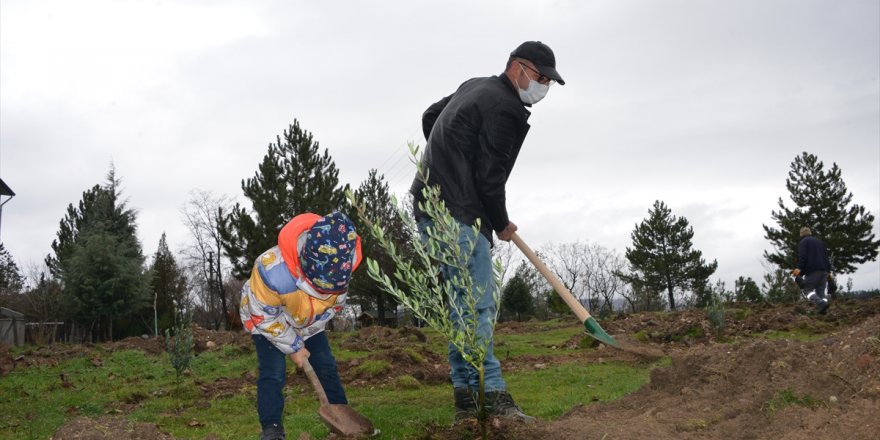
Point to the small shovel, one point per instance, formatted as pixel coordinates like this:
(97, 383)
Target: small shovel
(341, 419)
(590, 323)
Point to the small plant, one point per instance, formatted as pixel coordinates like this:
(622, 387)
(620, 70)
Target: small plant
(715, 314)
(179, 345)
(432, 294)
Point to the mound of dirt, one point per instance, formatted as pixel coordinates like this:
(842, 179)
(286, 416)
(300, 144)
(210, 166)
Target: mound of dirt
(689, 327)
(386, 367)
(149, 345)
(759, 388)
(48, 355)
(84, 428)
(375, 337)
(208, 340)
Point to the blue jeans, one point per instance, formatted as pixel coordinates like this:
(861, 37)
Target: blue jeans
(272, 368)
(479, 263)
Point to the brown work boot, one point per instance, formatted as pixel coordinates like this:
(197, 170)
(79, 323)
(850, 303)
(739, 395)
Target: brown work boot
(465, 407)
(500, 404)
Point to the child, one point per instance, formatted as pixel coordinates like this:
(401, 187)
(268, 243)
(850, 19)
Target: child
(295, 288)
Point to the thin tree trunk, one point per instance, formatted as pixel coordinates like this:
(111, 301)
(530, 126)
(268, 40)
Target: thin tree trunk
(220, 289)
(380, 308)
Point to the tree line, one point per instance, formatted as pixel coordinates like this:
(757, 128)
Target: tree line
(99, 283)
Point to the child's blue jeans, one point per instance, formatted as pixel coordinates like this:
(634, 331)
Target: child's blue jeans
(272, 369)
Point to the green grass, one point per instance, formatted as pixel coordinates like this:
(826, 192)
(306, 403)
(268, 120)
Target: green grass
(739, 314)
(35, 402)
(542, 340)
(787, 397)
(373, 368)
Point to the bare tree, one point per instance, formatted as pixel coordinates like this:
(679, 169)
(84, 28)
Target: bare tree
(569, 262)
(203, 258)
(42, 302)
(642, 299)
(509, 256)
(601, 279)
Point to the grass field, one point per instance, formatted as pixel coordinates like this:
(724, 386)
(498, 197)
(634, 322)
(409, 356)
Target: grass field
(36, 401)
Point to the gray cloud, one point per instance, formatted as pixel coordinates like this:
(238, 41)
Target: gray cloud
(700, 104)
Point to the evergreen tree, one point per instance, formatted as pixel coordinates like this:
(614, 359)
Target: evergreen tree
(292, 179)
(99, 260)
(823, 203)
(712, 294)
(555, 303)
(11, 279)
(374, 195)
(779, 287)
(662, 257)
(746, 290)
(167, 286)
(516, 297)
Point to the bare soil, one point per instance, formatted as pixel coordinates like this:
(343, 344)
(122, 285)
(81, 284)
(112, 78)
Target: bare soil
(750, 389)
(725, 384)
(109, 428)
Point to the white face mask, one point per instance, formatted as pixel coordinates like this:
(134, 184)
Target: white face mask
(534, 93)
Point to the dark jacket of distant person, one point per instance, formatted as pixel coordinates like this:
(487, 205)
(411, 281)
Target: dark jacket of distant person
(812, 255)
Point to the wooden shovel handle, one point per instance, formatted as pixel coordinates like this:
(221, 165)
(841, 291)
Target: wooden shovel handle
(316, 384)
(560, 288)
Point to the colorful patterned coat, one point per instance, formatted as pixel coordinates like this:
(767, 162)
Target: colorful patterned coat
(278, 302)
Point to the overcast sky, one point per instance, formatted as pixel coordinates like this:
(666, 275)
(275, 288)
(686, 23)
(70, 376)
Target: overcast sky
(700, 104)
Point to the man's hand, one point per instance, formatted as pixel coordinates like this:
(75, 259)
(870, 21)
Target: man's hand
(507, 233)
(300, 356)
(796, 272)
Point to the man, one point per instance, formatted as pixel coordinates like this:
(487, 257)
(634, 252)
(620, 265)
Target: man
(294, 290)
(813, 264)
(474, 137)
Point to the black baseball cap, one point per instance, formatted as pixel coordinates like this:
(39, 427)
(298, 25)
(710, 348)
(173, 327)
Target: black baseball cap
(541, 56)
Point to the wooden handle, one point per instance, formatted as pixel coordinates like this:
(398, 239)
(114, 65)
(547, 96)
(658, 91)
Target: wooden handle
(560, 288)
(316, 384)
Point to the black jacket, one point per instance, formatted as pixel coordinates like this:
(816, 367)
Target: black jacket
(812, 255)
(474, 137)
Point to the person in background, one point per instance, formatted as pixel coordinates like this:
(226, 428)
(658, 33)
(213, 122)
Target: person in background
(815, 268)
(474, 136)
(294, 290)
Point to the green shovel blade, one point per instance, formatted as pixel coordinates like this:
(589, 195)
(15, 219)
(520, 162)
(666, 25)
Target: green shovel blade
(595, 330)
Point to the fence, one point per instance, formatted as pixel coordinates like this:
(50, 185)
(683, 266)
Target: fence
(11, 327)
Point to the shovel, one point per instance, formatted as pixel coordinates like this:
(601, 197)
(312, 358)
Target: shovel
(590, 323)
(341, 419)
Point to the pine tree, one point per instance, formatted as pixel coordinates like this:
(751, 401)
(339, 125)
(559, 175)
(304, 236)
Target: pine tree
(167, 286)
(516, 298)
(662, 257)
(375, 196)
(11, 279)
(746, 290)
(779, 287)
(292, 179)
(99, 260)
(823, 203)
